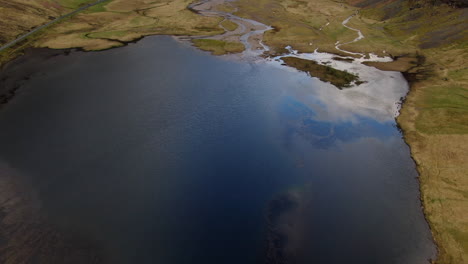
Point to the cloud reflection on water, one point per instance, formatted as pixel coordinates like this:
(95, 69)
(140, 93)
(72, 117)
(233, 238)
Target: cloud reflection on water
(303, 120)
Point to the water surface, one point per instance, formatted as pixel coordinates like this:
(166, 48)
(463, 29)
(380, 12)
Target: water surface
(160, 153)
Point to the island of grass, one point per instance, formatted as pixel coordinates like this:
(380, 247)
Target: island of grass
(218, 47)
(340, 79)
(229, 25)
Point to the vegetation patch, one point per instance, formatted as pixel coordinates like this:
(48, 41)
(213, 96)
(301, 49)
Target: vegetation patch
(229, 25)
(444, 111)
(107, 35)
(401, 64)
(340, 79)
(98, 8)
(218, 47)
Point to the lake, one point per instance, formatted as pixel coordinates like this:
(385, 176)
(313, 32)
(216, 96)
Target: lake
(159, 153)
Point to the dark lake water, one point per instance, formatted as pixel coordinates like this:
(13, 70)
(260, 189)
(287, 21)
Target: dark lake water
(164, 154)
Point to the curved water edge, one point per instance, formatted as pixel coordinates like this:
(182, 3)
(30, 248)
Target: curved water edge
(255, 47)
(383, 107)
(393, 84)
(247, 28)
(166, 155)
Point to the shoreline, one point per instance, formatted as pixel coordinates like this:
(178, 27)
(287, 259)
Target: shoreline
(418, 169)
(414, 62)
(411, 84)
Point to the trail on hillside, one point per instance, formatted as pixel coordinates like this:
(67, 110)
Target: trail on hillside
(359, 37)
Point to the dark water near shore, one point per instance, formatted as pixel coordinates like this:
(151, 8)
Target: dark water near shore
(164, 154)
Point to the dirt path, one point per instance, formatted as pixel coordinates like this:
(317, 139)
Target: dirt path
(360, 36)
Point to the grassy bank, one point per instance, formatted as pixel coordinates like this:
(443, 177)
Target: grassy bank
(434, 119)
(218, 47)
(229, 25)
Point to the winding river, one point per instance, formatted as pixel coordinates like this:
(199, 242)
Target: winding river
(160, 153)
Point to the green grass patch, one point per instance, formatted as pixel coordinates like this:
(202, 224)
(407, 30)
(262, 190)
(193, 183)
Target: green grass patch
(218, 47)
(74, 4)
(461, 237)
(229, 25)
(101, 7)
(444, 111)
(459, 74)
(340, 79)
(107, 34)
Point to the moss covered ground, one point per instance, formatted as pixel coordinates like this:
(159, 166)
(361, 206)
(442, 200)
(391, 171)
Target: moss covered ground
(218, 47)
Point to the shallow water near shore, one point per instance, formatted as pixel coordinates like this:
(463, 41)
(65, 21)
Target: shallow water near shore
(160, 153)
